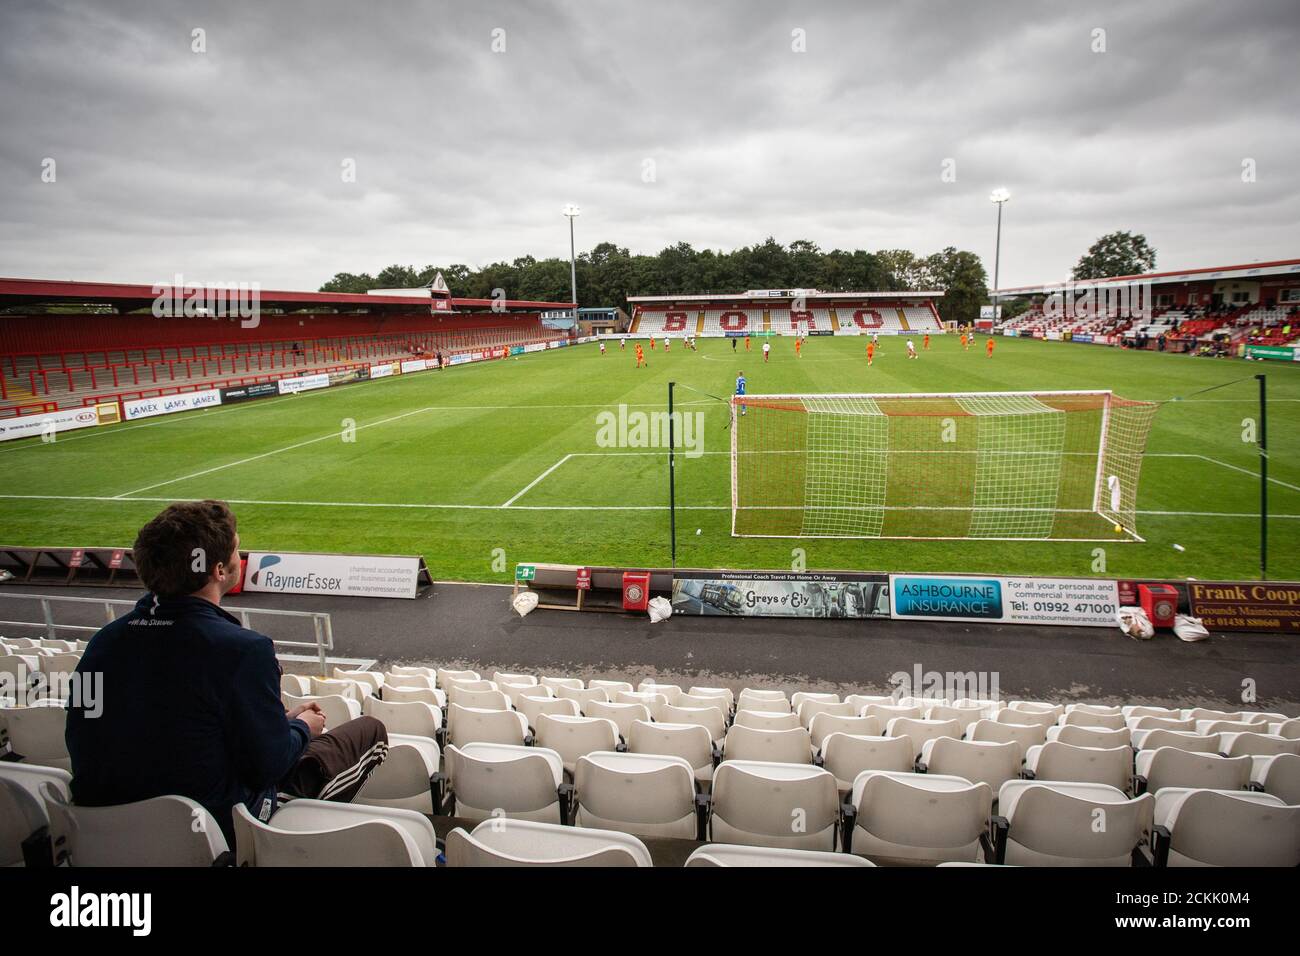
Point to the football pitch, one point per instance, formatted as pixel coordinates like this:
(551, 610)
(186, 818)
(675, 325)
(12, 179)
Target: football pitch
(485, 465)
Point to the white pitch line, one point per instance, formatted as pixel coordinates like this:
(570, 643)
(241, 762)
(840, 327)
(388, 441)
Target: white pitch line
(536, 481)
(463, 507)
(268, 454)
(1245, 471)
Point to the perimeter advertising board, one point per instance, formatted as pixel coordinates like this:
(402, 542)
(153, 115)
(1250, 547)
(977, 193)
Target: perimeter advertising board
(47, 423)
(353, 575)
(1080, 602)
(1246, 606)
(781, 594)
(169, 404)
(303, 383)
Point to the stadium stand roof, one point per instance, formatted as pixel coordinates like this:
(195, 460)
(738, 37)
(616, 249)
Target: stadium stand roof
(130, 296)
(1253, 270)
(768, 295)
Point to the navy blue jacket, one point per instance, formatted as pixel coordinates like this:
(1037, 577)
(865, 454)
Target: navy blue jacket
(190, 706)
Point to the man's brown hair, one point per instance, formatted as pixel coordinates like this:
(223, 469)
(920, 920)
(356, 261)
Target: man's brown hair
(175, 552)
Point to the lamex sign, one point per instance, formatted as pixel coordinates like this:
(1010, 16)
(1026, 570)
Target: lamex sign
(28, 425)
(1078, 602)
(354, 575)
(170, 404)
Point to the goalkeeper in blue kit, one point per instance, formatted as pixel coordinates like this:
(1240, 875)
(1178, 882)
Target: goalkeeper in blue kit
(740, 390)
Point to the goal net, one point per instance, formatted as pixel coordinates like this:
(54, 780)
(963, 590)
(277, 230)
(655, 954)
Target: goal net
(1058, 466)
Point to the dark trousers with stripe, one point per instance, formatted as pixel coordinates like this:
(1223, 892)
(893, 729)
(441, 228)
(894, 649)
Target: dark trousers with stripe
(335, 765)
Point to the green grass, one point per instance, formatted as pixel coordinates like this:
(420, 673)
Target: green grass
(479, 435)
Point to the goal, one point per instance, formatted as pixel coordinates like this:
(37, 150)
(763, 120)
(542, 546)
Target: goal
(1060, 466)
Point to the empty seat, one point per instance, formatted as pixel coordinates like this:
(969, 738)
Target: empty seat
(779, 746)
(1104, 709)
(848, 755)
(533, 707)
(1290, 729)
(644, 794)
(920, 730)
(823, 725)
(517, 692)
(555, 683)
(320, 833)
(572, 737)
(1278, 775)
(523, 843)
(724, 692)
(36, 733)
(774, 804)
(506, 780)
(965, 716)
(467, 725)
(1171, 767)
(648, 700)
(1258, 745)
(295, 684)
(1024, 718)
(798, 698)
(715, 701)
(612, 687)
(392, 680)
(373, 679)
(1143, 710)
(1225, 727)
(415, 718)
(1057, 761)
(405, 778)
(861, 700)
(710, 718)
(919, 819)
(1222, 828)
(500, 678)
(1086, 736)
(480, 699)
(325, 687)
(766, 720)
(623, 715)
(1182, 739)
(445, 676)
(583, 696)
(725, 854)
(162, 831)
(808, 709)
(976, 761)
(24, 824)
(436, 698)
(1038, 707)
(1165, 723)
(772, 701)
(669, 692)
(1057, 824)
(1027, 735)
(691, 742)
(1091, 718)
(405, 671)
(887, 712)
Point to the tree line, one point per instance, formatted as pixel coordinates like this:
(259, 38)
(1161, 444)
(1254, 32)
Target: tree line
(609, 273)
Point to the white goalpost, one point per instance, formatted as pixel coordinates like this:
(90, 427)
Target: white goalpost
(997, 466)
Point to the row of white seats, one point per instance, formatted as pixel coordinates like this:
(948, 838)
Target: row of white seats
(891, 819)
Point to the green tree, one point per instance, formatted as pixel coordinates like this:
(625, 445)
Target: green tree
(1116, 254)
(963, 280)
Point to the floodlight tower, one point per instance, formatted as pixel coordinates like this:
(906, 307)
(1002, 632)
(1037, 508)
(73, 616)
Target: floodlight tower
(999, 196)
(572, 212)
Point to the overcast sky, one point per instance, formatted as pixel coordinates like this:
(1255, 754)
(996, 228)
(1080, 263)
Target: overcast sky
(665, 121)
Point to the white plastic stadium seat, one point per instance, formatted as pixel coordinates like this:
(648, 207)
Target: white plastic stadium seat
(405, 717)
(466, 725)
(848, 755)
(1171, 767)
(669, 692)
(524, 843)
(533, 707)
(808, 709)
(778, 746)
(767, 701)
(572, 737)
(554, 683)
(1057, 761)
(691, 742)
(920, 730)
(36, 733)
(436, 698)
(798, 698)
(993, 731)
(500, 678)
(1182, 739)
(1223, 828)
(919, 819)
(24, 834)
(823, 725)
(162, 831)
(725, 854)
(643, 794)
(724, 692)
(973, 760)
(774, 804)
(336, 708)
(623, 715)
(480, 699)
(1258, 745)
(710, 718)
(612, 687)
(1026, 718)
(582, 697)
(1056, 824)
(766, 720)
(1279, 775)
(405, 777)
(506, 780)
(320, 833)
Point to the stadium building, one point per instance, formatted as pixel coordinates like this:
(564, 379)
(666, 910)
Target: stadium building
(784, 312)
(77, 344)
(1250, 310)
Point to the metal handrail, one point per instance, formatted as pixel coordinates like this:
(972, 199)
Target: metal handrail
(321, 626)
